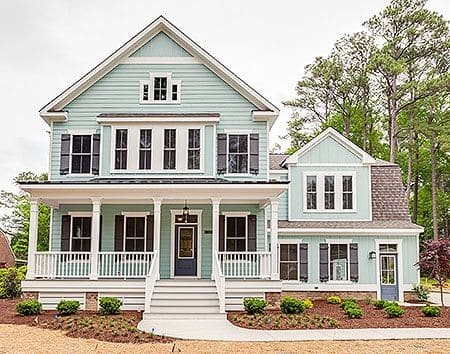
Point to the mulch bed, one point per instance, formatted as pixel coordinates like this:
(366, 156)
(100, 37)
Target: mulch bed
(321, 315)
(121, 328)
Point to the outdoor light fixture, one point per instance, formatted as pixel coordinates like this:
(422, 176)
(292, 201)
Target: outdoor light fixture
(185, 211)
(372, 255)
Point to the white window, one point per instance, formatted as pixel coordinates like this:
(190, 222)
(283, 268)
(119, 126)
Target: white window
(193, 149)
(121, 150)
(81, 154)
(238, 153)
(160, 88)
(236, 233)
(135, 233)
(145, 149)
(329, 192)
(339, 261)
(170, 149)
(80, 235)
(289, 261)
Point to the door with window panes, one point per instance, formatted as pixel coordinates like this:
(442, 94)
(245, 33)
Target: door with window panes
(389, 272)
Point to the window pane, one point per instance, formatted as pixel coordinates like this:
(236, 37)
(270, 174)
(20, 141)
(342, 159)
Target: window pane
(231, 245)
(293, 271)
(388, 248)
(338, 262)
(329, 183)
(76, 163)
(145, 92)
(145, 160)
(233, 143)
(174, 92)
(194, 138)
(329, 192)
(169, 138)
(76, 143)
(145, 139)
(284, 270)
(240, 227)
(311, 201)
(231, 227)
(243, 146)
(240, 245)
(169, 159)
(284, 252)
(86, 164)
(121, 138)
(293, 252)
(86, 144)
(311, 183)
(347, 183)
(347, 201)
(121, 160)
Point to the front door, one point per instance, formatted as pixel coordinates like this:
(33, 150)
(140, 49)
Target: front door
(185, 250)
(389, 277)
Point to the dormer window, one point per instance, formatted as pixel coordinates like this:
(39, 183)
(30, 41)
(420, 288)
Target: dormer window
(159, 89)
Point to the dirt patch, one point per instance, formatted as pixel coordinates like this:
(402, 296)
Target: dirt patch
(121, 328)
(325, 315)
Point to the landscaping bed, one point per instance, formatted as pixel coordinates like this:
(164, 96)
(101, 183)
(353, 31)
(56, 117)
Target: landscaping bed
(120, 328)
(324, 315)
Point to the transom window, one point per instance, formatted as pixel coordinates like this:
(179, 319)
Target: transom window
(338, 261)
(289, 258)
(135, 234)
(81, 153)
(145, 149)
(121, 150)
(238, 153)
(160, 88)
(329, 192)
(170, 149)
(194, 149)
(311, 192)
(236, 233)
(81, 234)
(388, 247)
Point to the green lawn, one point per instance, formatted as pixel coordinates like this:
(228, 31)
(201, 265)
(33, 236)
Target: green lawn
(432, 282)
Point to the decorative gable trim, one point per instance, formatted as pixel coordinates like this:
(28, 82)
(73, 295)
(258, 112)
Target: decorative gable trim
(366, 159)
(160, 24)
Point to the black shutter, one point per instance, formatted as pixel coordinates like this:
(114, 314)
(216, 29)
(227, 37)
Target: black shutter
(65, 232)
(354, 262)
(65, 154)
(254, 154)
(118, 233)
(150, 231)
(303, 262)
(221, 233)
(100, 235)
(251, 233)
(95, 154)
(221, 154)
(323, 256)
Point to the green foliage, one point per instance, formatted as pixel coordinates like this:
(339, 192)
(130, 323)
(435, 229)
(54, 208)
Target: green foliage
(334, 299)
(110, 305)
(68, 307)
(354, 312)
(29, 307)
(254, 305)
(308, 304)
(421, 291)
(348, 303)
(10, 282)
(289, 305)
(394, 310)
(380, 304)
(431, 311)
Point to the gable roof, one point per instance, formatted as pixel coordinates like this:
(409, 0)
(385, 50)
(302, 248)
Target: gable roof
(330, 132)
(52, 110)
(276, 162)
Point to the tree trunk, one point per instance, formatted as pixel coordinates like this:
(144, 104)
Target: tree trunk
(415, 196)
(434, 186)
(393, 120)
(410, 164)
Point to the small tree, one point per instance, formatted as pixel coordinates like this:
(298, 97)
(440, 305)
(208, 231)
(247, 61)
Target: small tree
(435, 259)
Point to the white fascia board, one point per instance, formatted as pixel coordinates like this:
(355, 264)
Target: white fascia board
(340, 232)
(265, 116)
(50, 117)
(108, 120)
(160, 24)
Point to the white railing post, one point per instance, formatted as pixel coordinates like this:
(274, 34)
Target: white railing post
(219, 280)
(215, 229)
(150, 281)
(157, 230)
(275, 275)
(95, 237)
(33, 237)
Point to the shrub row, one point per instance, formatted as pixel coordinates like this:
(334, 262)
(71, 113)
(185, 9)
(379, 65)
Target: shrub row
(391, 308)
(351, 308)
(288, 305)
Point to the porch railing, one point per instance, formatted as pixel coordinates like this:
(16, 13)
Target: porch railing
(62, 264)
(219, 280)
(150, 280)
(245, 264)
(124, 264)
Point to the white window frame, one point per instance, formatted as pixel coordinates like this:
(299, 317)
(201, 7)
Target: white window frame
(290, 242)
(170, 149)
(151, 81)
(145, 150)
(113, 144)
(78, 214)
(194, 149)
(236, 215)
(133, 214)
(339, 242)
(91, 133)
(238, 174)
(338, 194)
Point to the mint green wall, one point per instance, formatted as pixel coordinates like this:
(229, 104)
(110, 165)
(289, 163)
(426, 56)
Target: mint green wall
(161, 46)
(367, 267)
(329, 151)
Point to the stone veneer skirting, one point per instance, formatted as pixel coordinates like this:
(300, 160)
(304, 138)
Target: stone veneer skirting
(91, 301)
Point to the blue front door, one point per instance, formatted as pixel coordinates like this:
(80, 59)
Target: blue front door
(185, 250)
(389, 277)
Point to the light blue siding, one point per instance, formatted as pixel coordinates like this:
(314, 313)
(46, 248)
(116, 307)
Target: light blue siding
(161, 45)
(329, 151)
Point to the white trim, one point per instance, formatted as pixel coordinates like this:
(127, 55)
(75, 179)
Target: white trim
(50, 117)
(290, 242)
(353, 231)
(265, 116)
(278, 172)
(151, 89)
(160, 24)
(75, 131)
(135, 214)
(161, 119)
(160, 60)
(236, 213)
(399, 243)
(342, 241)
(80, 214)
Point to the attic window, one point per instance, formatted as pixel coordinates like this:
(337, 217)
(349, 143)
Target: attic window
(159, 89)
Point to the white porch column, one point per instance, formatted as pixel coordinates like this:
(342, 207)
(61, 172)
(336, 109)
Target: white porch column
(215, 229)
(275, 275)
(95, 236)
(32, 237)
(157, 230)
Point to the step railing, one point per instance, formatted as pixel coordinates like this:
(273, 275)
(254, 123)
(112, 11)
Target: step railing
(124, 264)
(50, 265)
(150, 281)
(245, 265)
(219, 280)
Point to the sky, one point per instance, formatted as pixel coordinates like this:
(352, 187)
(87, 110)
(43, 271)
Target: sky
(46, 45)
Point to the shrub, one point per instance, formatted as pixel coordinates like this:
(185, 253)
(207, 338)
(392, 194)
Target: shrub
(290, 305)
(379, 304)
(29, 307)
(68, 307)
(334, 299)
(10, 283)
(348, 303)
(354, 312)
(431, 311)
(394, 310)
(110, 305)
(422, 292)
(254, 305)
(308, 304)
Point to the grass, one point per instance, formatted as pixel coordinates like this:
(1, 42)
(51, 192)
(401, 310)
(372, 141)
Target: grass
(432, 282)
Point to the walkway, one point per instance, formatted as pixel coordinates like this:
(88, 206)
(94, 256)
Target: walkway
(436, 298)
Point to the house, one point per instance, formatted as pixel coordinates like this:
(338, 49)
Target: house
(164, 194)
(7, 258)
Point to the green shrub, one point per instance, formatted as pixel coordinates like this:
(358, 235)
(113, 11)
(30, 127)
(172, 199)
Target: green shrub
(68, 307)
(422, 292)
(29, 307)
(308, 304)
(254, 305)
(354, 312)
(110, 305)
(290, 305)
(394, 310)
(334, 299)
(10, 283)
(379, 304)
(348, 303)
(431, 311)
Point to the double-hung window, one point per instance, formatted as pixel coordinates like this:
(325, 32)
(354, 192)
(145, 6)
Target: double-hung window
(289, 258)
(145, 149)
(170, 151)
(121, 150)
(193, 149)
(311, 192)
(339, 261)
(347, 192)
(238, 153)
(236, 233)
(160, 89)
(81, 234)
(135, 234)
(329, 192)
(81, 153)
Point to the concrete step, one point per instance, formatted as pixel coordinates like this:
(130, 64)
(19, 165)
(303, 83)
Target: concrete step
(185, 283)
(184, 302)
(184, 295)
(184, 290)
(182, 316)
(184, 309)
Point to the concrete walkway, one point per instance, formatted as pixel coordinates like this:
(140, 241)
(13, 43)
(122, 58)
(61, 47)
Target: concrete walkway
(223, 330)
(436, 298)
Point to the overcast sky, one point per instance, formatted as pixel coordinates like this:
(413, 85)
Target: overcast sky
(48, 44)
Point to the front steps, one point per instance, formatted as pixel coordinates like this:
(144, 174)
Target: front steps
(184, 299)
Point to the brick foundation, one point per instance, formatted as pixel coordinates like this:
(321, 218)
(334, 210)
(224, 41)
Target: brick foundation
(91, 301)
(30, 295)
(322, 295)
(409, 295)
